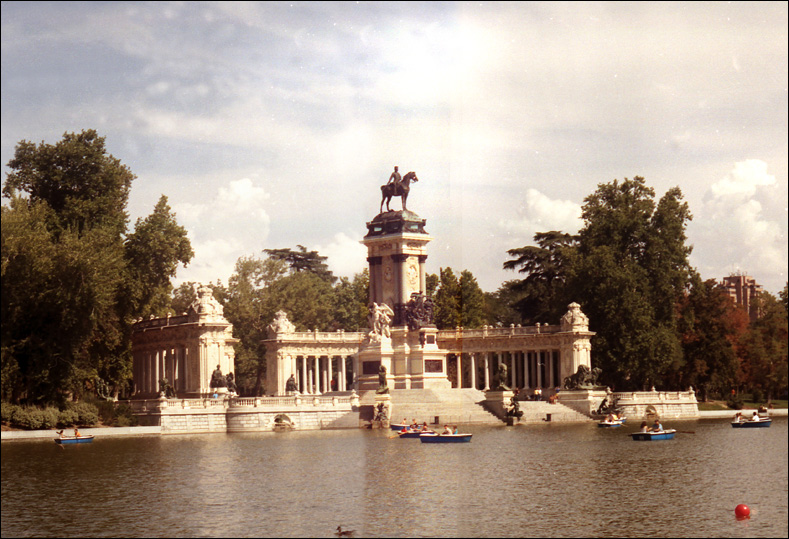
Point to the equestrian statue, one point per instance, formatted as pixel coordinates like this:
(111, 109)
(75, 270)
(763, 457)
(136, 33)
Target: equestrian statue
(396, 187)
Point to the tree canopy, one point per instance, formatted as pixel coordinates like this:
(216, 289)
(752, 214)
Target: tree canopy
(72, 280)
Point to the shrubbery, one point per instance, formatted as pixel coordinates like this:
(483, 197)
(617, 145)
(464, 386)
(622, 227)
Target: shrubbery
(35, 418)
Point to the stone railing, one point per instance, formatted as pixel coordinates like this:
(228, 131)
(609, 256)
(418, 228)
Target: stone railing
(161, 322)
(489, 331)
(339, 336)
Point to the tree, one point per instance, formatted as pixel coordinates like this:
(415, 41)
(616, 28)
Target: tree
(447, 307)
(471, 300)
(764, 347)
(710, 324)
(153, 253)
(303, 260)
(630, 273)
(541, 294)
(67, 273)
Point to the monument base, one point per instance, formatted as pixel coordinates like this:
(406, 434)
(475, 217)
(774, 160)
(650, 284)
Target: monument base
(382, 411)
(498, 402)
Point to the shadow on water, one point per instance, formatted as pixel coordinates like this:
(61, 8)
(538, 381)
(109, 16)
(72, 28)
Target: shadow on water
(529, 480)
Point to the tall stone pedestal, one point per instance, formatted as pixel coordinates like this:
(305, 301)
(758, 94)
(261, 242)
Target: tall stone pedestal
(497, 402)
(383, 411)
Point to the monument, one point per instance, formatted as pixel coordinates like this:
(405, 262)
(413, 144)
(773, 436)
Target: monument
(402, 341)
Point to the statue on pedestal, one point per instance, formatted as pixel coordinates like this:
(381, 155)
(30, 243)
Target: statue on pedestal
(501, 379)
(230, 379)
(290, 384)
(217, 379)
(380, 319)
(383, 386)
(397, 187)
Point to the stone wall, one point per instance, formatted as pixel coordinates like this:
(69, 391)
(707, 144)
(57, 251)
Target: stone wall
(185, 416)
(635, 404)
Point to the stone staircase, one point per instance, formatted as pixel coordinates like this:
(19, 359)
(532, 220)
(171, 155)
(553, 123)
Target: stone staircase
(539, 411)
(455, 406)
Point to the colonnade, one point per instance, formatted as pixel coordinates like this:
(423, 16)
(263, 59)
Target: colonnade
(151, 365)
(314, 374)
(526, 369)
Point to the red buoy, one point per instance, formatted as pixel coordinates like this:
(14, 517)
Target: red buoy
(742, 511)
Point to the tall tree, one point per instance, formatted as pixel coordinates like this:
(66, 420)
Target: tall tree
(764, 347)
(447, 305)
(541, 294)
(303, 260)
(64, 231)
(630, 274)
(471, 300)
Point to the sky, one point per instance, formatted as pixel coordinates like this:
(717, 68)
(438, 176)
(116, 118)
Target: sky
(274, 124)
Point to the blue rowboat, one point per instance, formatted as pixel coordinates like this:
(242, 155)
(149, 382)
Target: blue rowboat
(750, 424)
(398, 428)
(649, 436)
(74, 439)
(428, 438)
(410, 434)
(617, 423)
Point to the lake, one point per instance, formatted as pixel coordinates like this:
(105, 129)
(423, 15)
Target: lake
(557, 480)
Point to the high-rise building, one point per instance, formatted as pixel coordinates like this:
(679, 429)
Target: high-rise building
(743, 290)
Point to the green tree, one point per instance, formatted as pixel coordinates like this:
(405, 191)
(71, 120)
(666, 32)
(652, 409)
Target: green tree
(447, 306)
(629, 275)
(764, 347)
(303, 260)
(471, 300)
(351, 302)
(541, 294)
(66, 270)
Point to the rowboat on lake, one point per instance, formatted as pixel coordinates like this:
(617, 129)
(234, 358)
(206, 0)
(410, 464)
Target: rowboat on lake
(83, 439)
(410, 433)
(667, 434)
(609, 424)
(751, 424)
(434, 438)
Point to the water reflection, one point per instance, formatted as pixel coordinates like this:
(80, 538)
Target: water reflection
(537, 480)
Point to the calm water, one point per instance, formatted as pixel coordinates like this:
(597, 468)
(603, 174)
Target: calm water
(538, 480)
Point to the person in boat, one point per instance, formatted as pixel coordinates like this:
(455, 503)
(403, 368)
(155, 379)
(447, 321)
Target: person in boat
(610, 418)
(447, 430)
(644, 426)
(738, 417)
(755, 417)
(414, 425)
(405, 422)
(456, 430)
(424, 427)
(657, 427)
(76, 432)
(60, 433)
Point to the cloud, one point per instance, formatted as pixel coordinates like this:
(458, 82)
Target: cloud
(346, 255)
(231, 223)
(539, 213)
(734, 232)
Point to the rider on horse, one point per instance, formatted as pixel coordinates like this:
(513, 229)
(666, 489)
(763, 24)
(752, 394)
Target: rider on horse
(395, 179)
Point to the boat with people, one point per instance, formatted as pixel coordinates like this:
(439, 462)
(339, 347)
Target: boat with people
(614, 423)
(435, 438)
(410, 433)
(651, 435)
(81, 439)
(758, 423)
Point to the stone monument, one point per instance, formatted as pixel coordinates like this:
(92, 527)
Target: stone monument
(402, 337)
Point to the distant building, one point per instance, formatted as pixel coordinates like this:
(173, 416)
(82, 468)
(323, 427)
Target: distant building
(743, 290)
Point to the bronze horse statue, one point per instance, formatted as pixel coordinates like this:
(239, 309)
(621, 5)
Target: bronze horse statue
(401, 190)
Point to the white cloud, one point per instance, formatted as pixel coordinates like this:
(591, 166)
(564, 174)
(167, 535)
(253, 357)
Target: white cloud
(232, 223)
(733, 231)
(539, 213)
(346, 255)
(743, 180)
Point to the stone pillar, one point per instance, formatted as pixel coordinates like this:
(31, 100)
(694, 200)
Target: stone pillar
(304, 378)
(460, 370)
(472, 358)
(486, 364)
(422, 274)
(513, 374)
(526, 381)
(316, 378)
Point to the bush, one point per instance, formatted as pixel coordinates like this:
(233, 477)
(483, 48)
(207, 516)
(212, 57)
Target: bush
(735, 403)
(757, 395)
(88, 413)
(124, 417)
(106, 410)
(67, 418)
(7, 411)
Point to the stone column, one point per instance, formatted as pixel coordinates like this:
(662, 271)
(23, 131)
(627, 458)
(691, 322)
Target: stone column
(526, 381)
(486, 365)
(304, 378)
(540, 366)
(472, 358)
(422, 274)
(317, 375)
(513, 374)
(460, 370)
